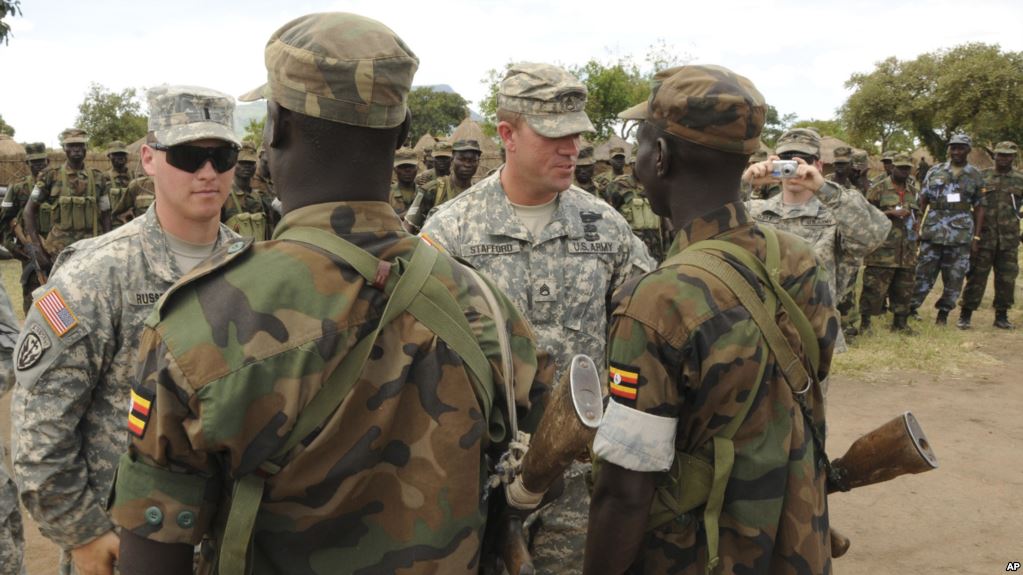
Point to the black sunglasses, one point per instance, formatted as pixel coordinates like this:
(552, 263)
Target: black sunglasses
(192, 158)
(793, 155)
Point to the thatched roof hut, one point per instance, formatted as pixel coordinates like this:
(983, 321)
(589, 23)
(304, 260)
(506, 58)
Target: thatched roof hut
(603, 151)
(426, 141)
(11, 150)
(469, 130)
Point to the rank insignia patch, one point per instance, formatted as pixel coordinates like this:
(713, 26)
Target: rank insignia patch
(624, 382)
(56, 312)
(138, 413)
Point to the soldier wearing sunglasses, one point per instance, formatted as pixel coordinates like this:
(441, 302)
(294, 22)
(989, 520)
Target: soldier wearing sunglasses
(75, 358)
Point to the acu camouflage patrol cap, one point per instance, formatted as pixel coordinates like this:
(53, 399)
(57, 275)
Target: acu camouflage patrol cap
(586, 156)
(339, 67)
(248, 153)
(859, 160)
(35, 151)
(179, 114)
(442, 149)
(902, 159)
(74, 136)
(405, 156)
(116, 147)
(552, 101)
(466, 146)
(802, 140)
(843, 155)
(1000, 148)
(707, 105)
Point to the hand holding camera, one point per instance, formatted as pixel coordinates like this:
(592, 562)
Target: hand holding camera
(795, 175)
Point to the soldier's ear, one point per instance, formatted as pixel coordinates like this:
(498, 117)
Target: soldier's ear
(663, 158)
(277, 122)
(406, 127)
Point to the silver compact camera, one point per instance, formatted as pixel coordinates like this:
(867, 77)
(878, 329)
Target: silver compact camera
(783, 169)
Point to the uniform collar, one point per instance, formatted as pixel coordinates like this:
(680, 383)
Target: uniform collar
(502, 221)
(714, 223)
(776, 206)
(343, 218)
(157, 251)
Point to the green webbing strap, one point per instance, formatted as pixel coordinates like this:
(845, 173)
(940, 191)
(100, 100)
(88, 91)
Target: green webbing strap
(245, 500)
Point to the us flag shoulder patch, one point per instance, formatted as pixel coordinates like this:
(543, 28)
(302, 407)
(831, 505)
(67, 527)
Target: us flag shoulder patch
(56, 312)
(623, 382)
(138, 413)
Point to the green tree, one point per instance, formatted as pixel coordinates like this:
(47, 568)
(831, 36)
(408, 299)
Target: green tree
(775, 125)
(974, 88)
(436, 113)
(611, 88)
(833, 128)
(254, 131)
(13, 8)
(109, 116)
(6, 128)
(488, 106)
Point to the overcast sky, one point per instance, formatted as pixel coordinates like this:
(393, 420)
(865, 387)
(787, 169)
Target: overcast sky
(798, 53)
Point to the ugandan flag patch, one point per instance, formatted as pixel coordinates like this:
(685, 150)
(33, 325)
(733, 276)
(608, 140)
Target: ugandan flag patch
(623, 382)
(138, 413)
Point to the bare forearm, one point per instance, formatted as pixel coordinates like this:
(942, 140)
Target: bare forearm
(147, 557)
(618, 517)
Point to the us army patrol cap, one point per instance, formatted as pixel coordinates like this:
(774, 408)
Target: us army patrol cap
(339, 67)
(707, 105)
(802, 140)
(586, 156)
(248, 153)
(1000, 148)
(35, 151)
(859, 160)
(617, 151)
(902, 159)
(179, 114)
(466, 146)
(442, 149)
(843, 154)
(960, 139)
(116, 147)
(552, 101)
(404, 157)
(73, 136)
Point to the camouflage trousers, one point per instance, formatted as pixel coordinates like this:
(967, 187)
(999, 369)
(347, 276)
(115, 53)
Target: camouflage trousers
(894, 283)
(849, 306)
(559, 530)
(1005, 261)
(12, 541)
(952, 261)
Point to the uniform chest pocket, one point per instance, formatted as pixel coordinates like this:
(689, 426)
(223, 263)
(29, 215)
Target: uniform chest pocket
(587, 275)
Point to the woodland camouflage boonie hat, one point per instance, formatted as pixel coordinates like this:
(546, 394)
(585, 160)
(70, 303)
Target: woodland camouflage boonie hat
(902, 159)
(707, 105)
(74, 136)
(35, 151)
(802, 140)
(116, 147)
(339, 67)
(552, 101)
(405, 157)
(179, 114)
(843, 155)
(442, 149)
(586, 157)
(1000, 148)
(248, 153)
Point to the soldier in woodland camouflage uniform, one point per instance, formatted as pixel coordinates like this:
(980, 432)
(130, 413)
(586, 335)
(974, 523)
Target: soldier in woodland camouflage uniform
(246, 211)
(627, 196)
(557, 251)
(440, 158)
(843, 155)
(604, 179)
(859, 167)
(584, 166)
(76, 355)
(887, 161)
(684, 351)
(838, 222)
(262, 182)
(393, 479)
(760, 192)
(13, 223)
(998, 247)
(12, 542)
(137, 198)
(431, 195)
(953, 216)
(118, 175)
(891, 268)
(404, 190)
(72, 201)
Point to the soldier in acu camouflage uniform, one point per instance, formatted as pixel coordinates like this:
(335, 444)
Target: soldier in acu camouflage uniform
(431, 195)
(953, 216)
(584, 167)
(118, 175)
(12, 542)
(13, 223)
(246, 211)
(999, 239)
(838, 222)
(392, 480)
(403, 191)
(684, 351)
(76, 355)
(72, 200)
(556, 250)
(891, 268)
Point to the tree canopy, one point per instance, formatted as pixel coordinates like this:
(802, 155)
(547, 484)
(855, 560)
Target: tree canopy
(6, 128)
(435, 112)
(8, 7)
(254, 131)
(974, 88)
(109, 116)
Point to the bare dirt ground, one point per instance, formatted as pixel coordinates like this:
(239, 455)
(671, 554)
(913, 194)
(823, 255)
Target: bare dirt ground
(966, 389)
